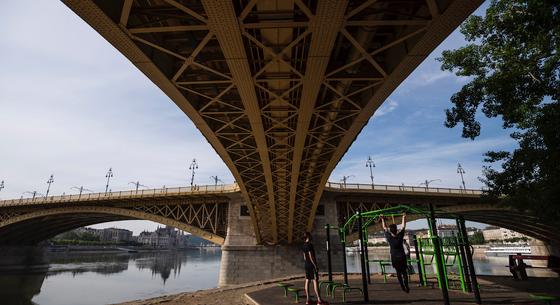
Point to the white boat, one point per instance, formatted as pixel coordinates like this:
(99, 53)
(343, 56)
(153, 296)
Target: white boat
(507, 250)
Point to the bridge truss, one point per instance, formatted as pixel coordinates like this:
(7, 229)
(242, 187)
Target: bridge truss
(280, 88)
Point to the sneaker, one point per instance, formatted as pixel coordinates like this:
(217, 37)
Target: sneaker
(322, 302)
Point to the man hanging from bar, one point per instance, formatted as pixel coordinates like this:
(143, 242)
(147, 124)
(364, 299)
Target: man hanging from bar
(398, 256)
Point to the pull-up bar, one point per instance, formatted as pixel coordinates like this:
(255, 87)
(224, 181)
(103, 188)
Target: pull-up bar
(365, 219)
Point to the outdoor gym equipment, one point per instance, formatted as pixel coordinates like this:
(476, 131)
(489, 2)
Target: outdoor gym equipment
(445, 252)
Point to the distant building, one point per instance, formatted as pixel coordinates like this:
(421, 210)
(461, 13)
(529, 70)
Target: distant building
(166, 237)
(497, 233)
(116, 235)
(447, 230)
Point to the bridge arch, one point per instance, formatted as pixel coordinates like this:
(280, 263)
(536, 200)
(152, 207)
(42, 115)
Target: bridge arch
(39, 225)
(494, 215)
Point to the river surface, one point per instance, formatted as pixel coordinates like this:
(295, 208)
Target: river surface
(105, 278)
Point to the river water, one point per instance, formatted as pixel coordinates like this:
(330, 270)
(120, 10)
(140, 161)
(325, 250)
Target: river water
(105, 278)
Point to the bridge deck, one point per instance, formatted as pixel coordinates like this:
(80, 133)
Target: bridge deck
(177, 192)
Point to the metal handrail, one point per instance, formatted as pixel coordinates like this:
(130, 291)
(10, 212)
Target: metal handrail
(400, 188)
(167, 191)
(222, 189)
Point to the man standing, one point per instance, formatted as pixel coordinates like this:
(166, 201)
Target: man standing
(398, 256)
(311, 270)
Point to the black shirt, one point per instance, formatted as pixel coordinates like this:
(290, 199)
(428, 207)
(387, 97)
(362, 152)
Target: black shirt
(308, 251)
(396, 243)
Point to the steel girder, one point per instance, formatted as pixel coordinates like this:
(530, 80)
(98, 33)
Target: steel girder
(31, 224)
(280, 88)
(487, 213)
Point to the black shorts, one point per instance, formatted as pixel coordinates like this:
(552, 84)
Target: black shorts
(310, 271)
(399, 263)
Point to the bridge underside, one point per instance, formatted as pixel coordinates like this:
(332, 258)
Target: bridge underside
(471, 209)
(28, 225)
(280, 88)
(33, 231)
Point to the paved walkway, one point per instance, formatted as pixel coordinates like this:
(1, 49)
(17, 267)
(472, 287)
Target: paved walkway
(494, 290)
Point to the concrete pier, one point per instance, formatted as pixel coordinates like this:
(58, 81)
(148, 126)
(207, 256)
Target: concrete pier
(244, 261)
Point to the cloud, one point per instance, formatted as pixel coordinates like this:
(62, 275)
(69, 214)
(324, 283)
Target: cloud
(388, 106)
(413, 163)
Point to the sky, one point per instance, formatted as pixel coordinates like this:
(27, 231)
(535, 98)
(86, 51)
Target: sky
(71, 105)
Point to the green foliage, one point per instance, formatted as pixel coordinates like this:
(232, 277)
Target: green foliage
(477, 238)
(512, 62)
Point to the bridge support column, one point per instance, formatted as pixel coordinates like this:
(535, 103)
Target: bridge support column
(244, 261)
(542, 248)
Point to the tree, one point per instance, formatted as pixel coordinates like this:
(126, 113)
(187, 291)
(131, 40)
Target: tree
(512, 63)
(477, 238)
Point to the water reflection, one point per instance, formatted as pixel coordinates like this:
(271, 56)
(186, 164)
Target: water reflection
(78, 278)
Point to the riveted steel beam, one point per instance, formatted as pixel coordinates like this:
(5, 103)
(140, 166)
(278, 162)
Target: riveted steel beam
(223, 22)
(436, 31)
(324, 28)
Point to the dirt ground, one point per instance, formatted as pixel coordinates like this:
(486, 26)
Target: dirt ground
(495, 290)
(234, 295)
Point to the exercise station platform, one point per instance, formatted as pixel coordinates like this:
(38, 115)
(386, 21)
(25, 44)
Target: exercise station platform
(494, 290)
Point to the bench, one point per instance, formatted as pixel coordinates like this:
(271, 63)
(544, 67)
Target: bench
(285, 286)
(518, 267)
(382, 265)
(543, 298)
(295, 291)
(328, 284)
(345, 289)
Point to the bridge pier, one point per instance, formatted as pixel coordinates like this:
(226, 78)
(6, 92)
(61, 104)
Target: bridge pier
(542, 248)
(244, 261)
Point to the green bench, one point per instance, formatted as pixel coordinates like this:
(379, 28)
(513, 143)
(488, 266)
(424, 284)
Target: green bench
(544, 298)
(328, 284)
(295, 291)
(332, 286)
(285, 286)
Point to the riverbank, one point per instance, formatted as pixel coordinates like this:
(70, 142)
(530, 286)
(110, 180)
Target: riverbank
(118, 249)
(494, 289)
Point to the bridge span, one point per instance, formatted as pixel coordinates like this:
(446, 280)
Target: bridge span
(220, 214)
(280, 88)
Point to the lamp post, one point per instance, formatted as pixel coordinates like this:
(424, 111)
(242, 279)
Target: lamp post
(461, 171)
(193, 167)
(49, 182)
(109, 175)
(34, 193)
(81, 189)
(137, 184)
(427, 182)
(345, 178)
(216, 179)
(371, 165)
(1, 185)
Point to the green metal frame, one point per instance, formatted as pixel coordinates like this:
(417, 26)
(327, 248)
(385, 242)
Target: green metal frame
(450, 254)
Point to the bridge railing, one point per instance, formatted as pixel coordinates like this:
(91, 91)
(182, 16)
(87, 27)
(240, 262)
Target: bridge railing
(400, 188)
(144, 193)
(221, 189)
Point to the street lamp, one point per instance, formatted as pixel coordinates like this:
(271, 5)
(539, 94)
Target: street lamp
(427, 182)
(137, 184)
(216, 179)
(193, 167)
(81, 189)
(34, 193)
(109, 175)
(49, 182)
(461, 171)
(371, 165)
(345, 178)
